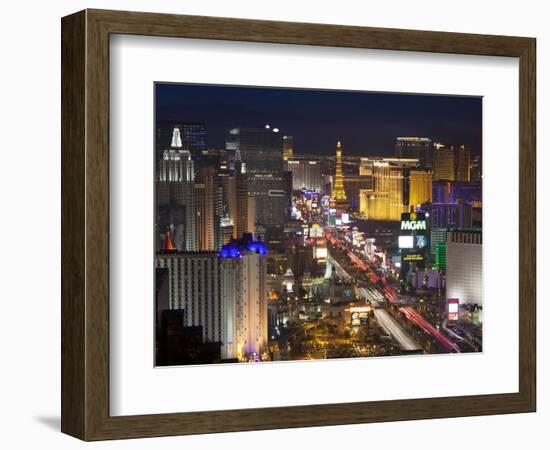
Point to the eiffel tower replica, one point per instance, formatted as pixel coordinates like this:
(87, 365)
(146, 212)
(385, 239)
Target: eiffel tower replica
(339, 200)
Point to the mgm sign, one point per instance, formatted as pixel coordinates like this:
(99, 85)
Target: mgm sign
(413, 241)
(413, 222)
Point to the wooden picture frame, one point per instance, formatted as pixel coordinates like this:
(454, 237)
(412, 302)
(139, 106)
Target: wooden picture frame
(85, 224)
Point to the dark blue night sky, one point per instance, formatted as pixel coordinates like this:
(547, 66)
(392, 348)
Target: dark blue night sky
(366, 123)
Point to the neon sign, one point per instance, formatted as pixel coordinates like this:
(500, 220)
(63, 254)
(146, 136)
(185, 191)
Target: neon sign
(413, 225)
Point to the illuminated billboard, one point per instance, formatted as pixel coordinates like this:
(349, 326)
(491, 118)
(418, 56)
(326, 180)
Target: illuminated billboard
(413, 225)
(360, 309)
(421, 241)
(413, 257)
(406, 242)
(413, 222)
(452, 309)
(321, 253)
(316, 230)
(360, 315)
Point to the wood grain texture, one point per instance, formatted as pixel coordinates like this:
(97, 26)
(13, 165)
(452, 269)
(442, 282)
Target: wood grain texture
(201, 27)
(85, 224)
(527, 266)
(73, 269)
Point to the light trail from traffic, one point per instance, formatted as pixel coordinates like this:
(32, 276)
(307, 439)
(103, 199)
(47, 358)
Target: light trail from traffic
(393, 297)
(389, 324)
(358, 262)
(417, 319)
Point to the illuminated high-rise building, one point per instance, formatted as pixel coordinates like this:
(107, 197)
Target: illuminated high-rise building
(476, 169)
(176, 163)
(207, 222)
(272, 198)
(260, 148)
(226, 231)
(451, 162)
(444, 162)
(195, 287)
(464, 279)
(225, 294)
(175, 195)
(241, 215)
(420, 186)
(193, 137)
(306, 174)
(462, 163)
(353, 184)
(395, 188)
(385, 200)
(366, 164)
(244, 281)
(338, 194)
(415, 147)
(288, 147)
(237, 206)
(261, 151)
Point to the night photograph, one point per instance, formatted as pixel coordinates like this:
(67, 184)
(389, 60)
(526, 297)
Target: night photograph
(303, 224)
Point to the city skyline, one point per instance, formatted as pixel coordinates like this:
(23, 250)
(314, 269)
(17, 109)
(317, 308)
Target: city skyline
(367, 123)
(266, 253)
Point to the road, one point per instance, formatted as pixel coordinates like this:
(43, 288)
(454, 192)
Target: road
(358, 262)
(338, 269)
(393, 297)
(372, 295)
(469, 340)
(419, 320)
(398, 334)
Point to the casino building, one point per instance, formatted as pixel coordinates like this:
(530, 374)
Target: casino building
(306, 174)
(225, 294)
(244, 296)
(397, 184)
(464, 266)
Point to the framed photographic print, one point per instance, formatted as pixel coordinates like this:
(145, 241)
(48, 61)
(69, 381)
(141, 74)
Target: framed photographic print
(270, 224)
